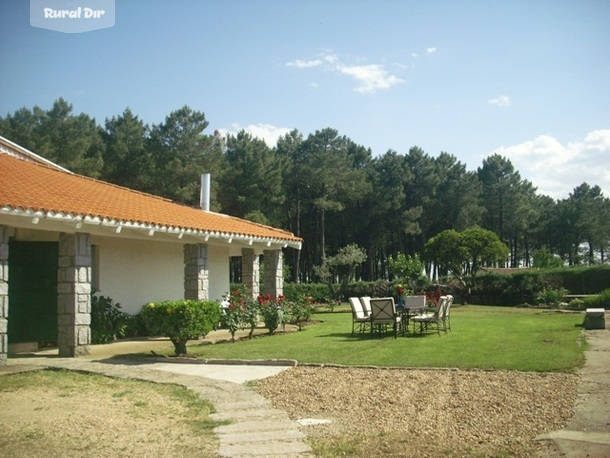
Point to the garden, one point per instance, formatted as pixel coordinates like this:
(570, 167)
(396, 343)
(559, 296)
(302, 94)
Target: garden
(500, 377)
(489, 387)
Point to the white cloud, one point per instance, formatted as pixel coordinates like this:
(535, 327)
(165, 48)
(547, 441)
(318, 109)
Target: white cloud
(501, 101)
(430, 50)
(370, 77)
(556, 169)
(267, 132)
(331, 57)
(305, 63)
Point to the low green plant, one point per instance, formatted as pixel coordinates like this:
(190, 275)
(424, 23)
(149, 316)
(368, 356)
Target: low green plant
(272, 311)
(301, 310)
(576, 304)
(551, 297)
(602, 300)
(181, 320)
(250, 317)
(234, 313)
(108, 321)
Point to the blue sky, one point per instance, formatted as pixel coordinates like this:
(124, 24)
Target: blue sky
(526, 79)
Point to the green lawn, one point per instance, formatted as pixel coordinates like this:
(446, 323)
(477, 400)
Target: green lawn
(482, 337)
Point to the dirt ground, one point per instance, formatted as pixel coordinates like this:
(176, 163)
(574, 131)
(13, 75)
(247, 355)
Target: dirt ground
(426, 413)
(373, 412)
(94, 416)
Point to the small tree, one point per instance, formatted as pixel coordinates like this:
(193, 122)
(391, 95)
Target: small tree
(181, 320)
(544, 259)
(342, 266)
(407, 268)
(464, 253)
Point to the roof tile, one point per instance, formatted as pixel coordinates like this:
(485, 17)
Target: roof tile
(27, 185)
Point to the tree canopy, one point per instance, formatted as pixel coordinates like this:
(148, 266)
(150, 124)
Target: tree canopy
(331, 191)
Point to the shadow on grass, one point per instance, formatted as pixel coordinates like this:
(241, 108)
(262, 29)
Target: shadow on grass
(366, 336)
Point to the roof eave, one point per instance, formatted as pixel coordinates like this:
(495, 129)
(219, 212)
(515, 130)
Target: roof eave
(79, 221)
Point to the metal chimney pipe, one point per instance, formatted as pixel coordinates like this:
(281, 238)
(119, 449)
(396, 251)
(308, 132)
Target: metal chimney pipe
(204, 198)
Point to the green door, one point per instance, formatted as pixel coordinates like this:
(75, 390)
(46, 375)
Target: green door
(32, 283)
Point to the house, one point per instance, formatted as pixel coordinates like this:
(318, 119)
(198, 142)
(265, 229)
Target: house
(64, 236)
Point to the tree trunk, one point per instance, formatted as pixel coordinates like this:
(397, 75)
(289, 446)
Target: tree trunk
(179, 346)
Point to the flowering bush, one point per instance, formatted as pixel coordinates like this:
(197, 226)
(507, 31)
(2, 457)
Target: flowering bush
(236, 311)
(249, 317)
(301, 310)
(272, 311)
(399, 289)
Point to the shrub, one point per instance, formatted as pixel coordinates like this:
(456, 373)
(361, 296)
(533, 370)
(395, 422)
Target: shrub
(273, 312)
(181, 320)
(576, 304)
(300, 310)
(238, 310)
(602, 300)
(108, 322)
(552, 297)
(317, 291)
(249, 317)
(135, 326)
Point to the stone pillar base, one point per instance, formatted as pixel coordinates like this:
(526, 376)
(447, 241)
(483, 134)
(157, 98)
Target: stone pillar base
(74, 295)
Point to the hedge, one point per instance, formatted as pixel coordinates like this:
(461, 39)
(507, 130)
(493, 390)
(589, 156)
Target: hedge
(522, 287)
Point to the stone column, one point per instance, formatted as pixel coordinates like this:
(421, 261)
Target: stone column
(196, 274)
(250, 271)
(274, 272)
(3, 294)
(74, 295)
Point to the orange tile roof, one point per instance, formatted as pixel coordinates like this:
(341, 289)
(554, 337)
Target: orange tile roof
(29, 186)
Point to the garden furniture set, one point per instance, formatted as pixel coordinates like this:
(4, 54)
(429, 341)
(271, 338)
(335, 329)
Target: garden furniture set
(379, 314)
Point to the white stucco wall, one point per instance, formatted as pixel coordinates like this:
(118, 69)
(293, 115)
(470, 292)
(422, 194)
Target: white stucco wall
(134, 272)
(218, 267)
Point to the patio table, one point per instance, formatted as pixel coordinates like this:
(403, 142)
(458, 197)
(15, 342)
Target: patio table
(407, 312)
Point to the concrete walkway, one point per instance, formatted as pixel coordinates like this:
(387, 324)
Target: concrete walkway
(588, 433)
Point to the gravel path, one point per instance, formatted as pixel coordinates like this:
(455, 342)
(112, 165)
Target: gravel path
(403, 412)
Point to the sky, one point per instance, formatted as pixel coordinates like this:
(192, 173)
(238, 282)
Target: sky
(526, 79)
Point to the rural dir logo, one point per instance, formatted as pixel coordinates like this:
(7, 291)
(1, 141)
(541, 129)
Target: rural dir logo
(72, 16)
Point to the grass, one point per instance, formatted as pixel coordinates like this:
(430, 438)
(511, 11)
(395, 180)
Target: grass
(108, 404)
(482, 337)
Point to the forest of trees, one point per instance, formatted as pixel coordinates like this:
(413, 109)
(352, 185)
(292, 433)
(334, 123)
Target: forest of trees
(324, 187)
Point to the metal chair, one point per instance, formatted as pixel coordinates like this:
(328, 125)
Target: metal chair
(447, 318)
(359, 319)
(435, 319)
(366, 305)
(383, 314)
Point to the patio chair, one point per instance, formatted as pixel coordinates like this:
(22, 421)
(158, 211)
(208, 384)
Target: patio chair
(447, 313)
(413, 305)
(359, 319)
(434, 319)
(366, 305)
(383, 314)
